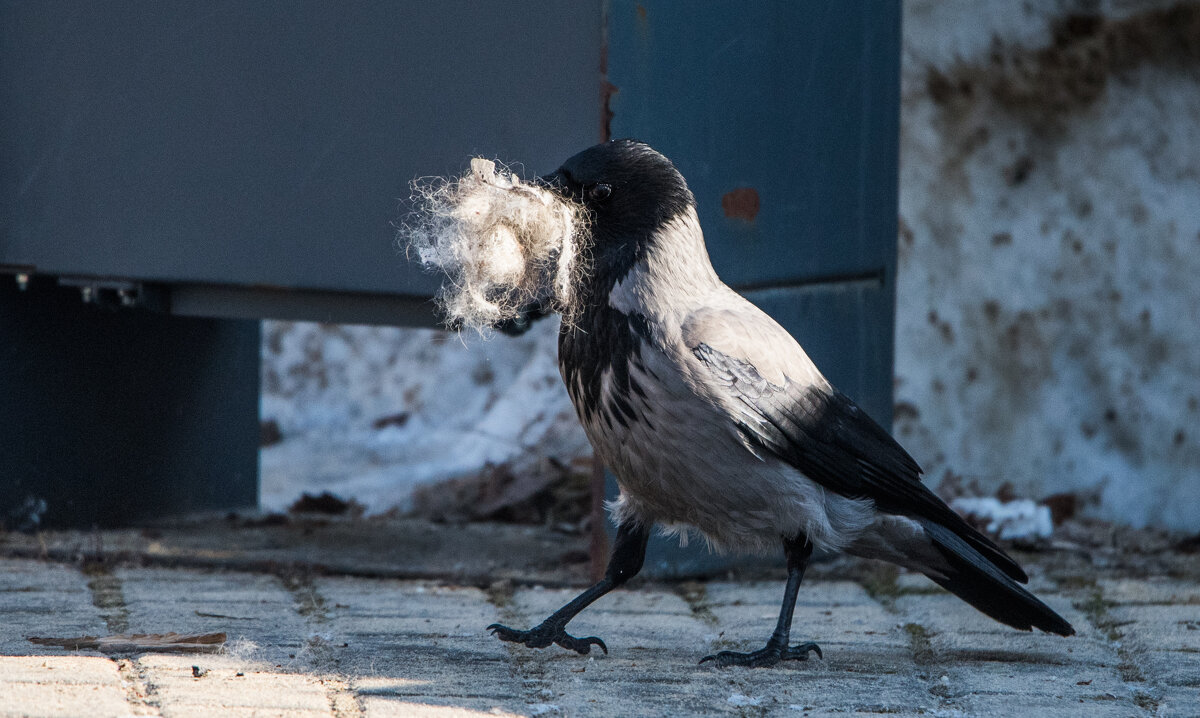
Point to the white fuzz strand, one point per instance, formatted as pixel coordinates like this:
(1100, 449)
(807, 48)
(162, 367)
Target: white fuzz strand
(502, 244)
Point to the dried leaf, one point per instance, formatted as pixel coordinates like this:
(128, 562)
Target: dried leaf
(137, 642)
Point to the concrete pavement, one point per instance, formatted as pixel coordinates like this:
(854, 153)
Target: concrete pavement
(321, 644)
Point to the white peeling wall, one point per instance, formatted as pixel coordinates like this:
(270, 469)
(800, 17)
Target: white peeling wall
(1048, 320)
(371, 412)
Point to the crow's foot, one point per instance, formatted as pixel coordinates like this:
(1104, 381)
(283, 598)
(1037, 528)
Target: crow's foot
(544, 634)
(764, 657)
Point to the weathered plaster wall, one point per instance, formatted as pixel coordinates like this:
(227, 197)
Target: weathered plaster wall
(370, 412)
(1048, 328)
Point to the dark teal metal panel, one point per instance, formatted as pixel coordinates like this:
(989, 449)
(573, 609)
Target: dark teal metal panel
(797, 101)
(784, 118)
(265, 143)
(110, 417)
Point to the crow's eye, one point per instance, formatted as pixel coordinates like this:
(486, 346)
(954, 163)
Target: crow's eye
(600, 192)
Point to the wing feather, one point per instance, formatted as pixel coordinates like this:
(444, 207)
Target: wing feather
(827, 437)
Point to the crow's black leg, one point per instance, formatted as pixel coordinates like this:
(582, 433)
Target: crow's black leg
(628, 552)
(798, 551)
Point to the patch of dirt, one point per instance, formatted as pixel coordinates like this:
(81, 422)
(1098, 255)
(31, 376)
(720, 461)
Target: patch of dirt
(327, 504)
(1072, 72)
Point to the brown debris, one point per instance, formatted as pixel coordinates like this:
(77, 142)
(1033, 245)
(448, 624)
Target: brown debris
(1073, 71)
(326, 503)
(905, 411)
(1017, 173)
(140, 642)
(1062, 507)
(542, 491)
(256, 521)
(1188, 544)
(269, 433)
(398, 419)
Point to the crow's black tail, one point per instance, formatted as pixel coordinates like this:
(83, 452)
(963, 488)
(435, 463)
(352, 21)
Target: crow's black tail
(980, 583)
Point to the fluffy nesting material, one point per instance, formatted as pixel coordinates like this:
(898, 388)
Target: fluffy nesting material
(502, 243)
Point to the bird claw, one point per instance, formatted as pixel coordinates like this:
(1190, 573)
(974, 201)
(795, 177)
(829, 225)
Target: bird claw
(764, 657)
(543, 635)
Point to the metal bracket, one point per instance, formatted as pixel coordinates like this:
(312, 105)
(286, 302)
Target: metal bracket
(117, 293)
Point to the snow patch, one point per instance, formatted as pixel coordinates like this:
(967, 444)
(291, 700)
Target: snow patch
(467, 402)
(1021, 519)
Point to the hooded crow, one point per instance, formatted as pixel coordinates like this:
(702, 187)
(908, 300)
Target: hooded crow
(713, 419)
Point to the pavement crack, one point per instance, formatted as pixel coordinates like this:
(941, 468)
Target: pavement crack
(880, 583)
(309, 602)
(319, 651)
(500, 594)
(695, 595)
(1096, 607)
(108, 596)
(138, 690)
(919, 644)
(343, 701)
(528, 665)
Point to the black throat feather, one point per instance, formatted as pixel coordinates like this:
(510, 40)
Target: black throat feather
(604, 339)
(648, 193)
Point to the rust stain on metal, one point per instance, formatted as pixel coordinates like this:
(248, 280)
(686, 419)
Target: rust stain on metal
(642, 24)
(607, 89)
(741, 203)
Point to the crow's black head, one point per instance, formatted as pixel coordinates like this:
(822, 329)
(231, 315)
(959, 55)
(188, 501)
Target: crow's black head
(630, 191)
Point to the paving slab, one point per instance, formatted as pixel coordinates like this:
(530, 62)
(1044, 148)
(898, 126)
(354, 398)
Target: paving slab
(61, 686)
(179, 689)
(1161, 627)
(1178, 701)
(1150, 590)
(308, 640)
(416, 647)
(258, 612)
(984, 667)
(654, 643)
(862, 641)
(52, 700)
(44, 599)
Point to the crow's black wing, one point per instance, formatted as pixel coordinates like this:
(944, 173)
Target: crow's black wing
(825, 436)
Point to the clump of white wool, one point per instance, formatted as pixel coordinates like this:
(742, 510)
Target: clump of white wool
(502, 243)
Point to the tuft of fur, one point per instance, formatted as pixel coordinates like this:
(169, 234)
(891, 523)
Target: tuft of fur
(502, 243)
